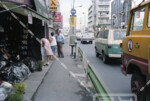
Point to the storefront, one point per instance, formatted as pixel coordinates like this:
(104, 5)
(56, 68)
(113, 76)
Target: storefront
(21, 29)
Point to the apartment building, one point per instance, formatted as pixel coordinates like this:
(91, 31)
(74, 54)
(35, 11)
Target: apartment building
(100, 13)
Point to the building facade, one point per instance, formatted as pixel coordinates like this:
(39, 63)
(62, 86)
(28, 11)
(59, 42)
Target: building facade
(100, 14)
(91, 18)
(120, 13)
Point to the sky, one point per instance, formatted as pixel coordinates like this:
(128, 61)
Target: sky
(65, 8)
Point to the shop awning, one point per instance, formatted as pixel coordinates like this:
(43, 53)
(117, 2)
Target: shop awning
(24, 10)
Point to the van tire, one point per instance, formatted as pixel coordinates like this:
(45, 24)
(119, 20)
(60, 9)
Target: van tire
(97, 54)
(104, 57)
(137, 82)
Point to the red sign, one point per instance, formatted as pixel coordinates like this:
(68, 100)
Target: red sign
(58, 17)
(21, 1)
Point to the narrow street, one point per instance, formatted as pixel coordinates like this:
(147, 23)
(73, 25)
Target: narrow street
(63, 81)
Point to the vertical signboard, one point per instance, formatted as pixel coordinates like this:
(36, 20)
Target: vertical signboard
(72, 20)
(53, 5)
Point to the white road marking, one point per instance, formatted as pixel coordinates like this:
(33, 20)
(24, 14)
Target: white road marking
(75, 76)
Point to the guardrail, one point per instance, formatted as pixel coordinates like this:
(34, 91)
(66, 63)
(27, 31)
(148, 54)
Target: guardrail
(90, 73)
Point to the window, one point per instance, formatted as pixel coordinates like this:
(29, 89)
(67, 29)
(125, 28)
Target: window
(119, 35)
(148, 24)
(101, 34)
(105, 36)
(138, 19)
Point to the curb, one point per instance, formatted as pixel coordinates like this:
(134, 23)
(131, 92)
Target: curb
(97, 82)
(34, 82)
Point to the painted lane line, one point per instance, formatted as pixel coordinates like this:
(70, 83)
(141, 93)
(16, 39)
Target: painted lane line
(73, 75)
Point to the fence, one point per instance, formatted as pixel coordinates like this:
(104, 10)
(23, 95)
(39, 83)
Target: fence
(90, 73)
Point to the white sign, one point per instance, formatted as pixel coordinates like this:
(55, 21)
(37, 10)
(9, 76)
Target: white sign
(30, 20)
(130, 45)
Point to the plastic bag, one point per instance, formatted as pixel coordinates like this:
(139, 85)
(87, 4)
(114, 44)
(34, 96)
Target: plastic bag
(31, 64)
(3, 94)
(2, 64)
(8, 87)
(15, 72)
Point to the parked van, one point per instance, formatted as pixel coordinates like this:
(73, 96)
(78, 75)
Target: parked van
(107, 43)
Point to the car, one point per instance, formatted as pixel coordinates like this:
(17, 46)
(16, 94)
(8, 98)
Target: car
(78, 36)
(87, 38)
(107, 43)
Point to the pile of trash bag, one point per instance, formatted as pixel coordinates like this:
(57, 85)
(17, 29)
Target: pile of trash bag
(31, 63)
(14, 72)
(6, 89)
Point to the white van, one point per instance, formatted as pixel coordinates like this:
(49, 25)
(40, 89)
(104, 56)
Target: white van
(107, 43)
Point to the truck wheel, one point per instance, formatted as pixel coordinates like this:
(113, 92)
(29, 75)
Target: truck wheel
(104, 57)
(137, 82)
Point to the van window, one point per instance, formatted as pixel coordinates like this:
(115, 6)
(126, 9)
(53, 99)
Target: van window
(105, 35)
(138, 19)
(148, 24)
(119, 35)
(100, 34)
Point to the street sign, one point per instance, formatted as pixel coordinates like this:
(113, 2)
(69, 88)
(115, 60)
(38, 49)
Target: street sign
(73, 11)
(72, 20)
(53, 5)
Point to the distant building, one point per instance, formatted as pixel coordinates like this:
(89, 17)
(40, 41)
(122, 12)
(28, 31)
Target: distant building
(91, 18)
(99, 13)
(120, 13)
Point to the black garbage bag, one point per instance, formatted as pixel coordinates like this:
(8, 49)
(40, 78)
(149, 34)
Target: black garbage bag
(14, 72)
(31, 63)
(23, 69)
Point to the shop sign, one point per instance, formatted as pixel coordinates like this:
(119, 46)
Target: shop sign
(58, 17)
(53, 5)
(30, 20)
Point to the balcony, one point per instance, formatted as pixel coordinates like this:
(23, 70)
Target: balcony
(103, 16)
(103, 3)
(103, 9)
(108, 22)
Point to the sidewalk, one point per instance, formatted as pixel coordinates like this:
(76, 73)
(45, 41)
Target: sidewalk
(65, 81)
(34, 82)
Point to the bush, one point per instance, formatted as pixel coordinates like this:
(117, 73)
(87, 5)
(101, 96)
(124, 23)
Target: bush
(19, 87)
(15, 97)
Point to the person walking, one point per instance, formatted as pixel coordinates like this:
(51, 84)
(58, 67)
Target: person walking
(60, 41)
(53, 43)
(47, 52)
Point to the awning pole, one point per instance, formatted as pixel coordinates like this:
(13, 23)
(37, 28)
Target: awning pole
(12, 8)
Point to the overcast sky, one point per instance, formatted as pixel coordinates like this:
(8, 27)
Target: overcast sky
(66, 5)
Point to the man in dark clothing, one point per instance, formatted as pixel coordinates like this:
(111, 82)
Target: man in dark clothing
(60, 41)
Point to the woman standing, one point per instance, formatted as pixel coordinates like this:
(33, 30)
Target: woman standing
(53, 43)
(47, 50)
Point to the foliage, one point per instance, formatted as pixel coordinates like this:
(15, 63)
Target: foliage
(40, 65)
(19, 87)
(15, 97)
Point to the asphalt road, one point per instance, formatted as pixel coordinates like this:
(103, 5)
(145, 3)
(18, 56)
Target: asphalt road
(110, 73)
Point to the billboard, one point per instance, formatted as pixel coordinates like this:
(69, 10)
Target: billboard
(53, 5)
(58, 17)
(72, 20)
